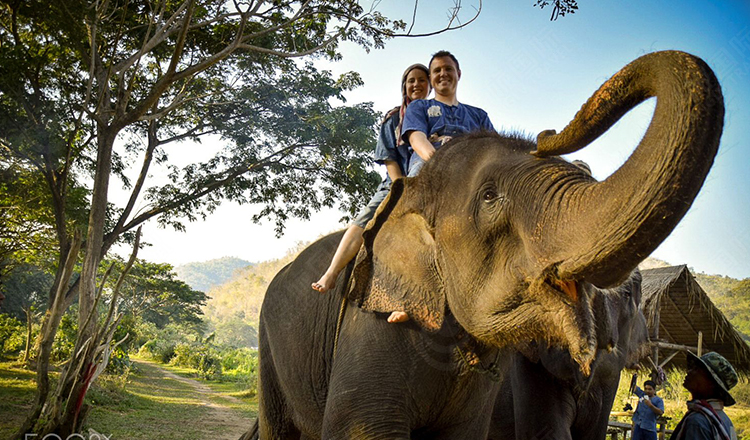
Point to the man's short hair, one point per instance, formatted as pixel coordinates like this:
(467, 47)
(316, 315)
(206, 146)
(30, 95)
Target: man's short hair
(441, 54)
(650, 382)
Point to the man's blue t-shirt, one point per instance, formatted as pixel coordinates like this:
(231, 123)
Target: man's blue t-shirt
(643, 416)
(431, 116)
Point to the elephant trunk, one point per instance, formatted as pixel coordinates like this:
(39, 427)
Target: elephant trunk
(604, 229)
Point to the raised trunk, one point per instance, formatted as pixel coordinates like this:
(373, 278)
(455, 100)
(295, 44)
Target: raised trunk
(615, 224)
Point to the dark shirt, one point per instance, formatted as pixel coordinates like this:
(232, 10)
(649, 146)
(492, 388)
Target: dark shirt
(387, 149)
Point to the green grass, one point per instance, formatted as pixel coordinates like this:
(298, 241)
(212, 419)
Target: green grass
(230, 394)
(145, 405)
(17, 388)
(151, 405)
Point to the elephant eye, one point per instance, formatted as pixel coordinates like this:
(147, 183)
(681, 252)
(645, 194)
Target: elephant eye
(489, 195)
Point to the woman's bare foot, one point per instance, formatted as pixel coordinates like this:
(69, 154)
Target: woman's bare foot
(398, 317)
(326, 282)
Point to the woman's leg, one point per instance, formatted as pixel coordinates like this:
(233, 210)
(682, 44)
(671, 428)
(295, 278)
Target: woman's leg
(348, 248)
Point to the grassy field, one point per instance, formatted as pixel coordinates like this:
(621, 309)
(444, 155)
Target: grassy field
(17, 387)
(149, 404)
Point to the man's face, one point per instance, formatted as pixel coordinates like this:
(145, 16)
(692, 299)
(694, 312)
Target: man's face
(444, 76)
(649, 390)
(699, 382)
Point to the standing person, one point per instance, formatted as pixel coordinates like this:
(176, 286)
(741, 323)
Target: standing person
(393, 152)
(430, 123)
(709, 379)
(650, 406)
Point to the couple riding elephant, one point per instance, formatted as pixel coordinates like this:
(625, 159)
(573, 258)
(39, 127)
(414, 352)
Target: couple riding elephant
(498, 247)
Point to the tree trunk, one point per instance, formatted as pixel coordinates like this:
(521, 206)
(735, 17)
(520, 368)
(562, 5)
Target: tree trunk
(47, 336)
(29, 325)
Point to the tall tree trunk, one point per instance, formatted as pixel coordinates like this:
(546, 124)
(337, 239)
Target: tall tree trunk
(47, 336)
(29, 327)
(63, 414)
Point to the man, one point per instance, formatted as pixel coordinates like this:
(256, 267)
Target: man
(429, 123)
(709, 379)
(650, 406)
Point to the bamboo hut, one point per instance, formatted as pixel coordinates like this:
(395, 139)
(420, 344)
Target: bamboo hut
(681, 316)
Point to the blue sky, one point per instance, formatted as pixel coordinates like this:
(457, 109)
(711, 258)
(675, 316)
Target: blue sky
(531, 74)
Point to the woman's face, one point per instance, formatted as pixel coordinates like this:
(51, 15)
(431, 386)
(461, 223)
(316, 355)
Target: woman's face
(417, 84)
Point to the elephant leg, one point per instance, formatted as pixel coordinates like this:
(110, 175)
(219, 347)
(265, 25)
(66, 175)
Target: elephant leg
(363, 414)
(274, 418)
(543, 409)
(593, 426)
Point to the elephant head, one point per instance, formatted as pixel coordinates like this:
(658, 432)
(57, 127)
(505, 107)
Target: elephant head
(514, 240)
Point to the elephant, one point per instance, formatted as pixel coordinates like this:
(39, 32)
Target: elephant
(498, 243)
(543, 395)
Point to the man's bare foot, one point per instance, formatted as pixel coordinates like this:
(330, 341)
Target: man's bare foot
(398, 317)
(325, 283)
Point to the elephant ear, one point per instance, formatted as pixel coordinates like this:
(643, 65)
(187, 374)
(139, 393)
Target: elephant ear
(396, 267)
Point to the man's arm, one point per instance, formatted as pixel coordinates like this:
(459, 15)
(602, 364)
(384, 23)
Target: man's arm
(658, 410)
(420, 145)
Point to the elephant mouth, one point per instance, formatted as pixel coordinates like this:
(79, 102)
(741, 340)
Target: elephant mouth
(567, 289)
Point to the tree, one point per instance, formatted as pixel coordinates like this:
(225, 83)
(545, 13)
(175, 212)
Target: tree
(92, 87)
(559, 7)
(153, 293)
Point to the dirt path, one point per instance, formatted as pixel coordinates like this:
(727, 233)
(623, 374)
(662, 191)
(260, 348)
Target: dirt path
(228, 423)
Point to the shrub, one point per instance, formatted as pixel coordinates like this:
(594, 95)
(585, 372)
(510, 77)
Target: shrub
(65, 339)
(158, 350)
(12, 335)
(119, 363)
(241, 366)
(200, 357)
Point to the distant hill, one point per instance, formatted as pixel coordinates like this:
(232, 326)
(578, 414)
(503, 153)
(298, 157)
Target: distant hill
(241, 296)
(731, 296)
(207, 274)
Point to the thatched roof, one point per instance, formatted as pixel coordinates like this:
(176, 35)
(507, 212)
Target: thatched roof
(673, 297)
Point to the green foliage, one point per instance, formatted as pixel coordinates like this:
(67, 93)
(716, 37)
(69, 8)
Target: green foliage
(65, 339)
(208, 274)
(119, 363)
(152, 292)
(25, 286)
(200, 356)
(241, 365)
(161, 347)
(158, 350)
(235, 332)
(12, 335)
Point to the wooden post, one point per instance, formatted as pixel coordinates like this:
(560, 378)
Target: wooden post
(700, 344)
(656, 331)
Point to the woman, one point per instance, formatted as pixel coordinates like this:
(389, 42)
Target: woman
(390, 150)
